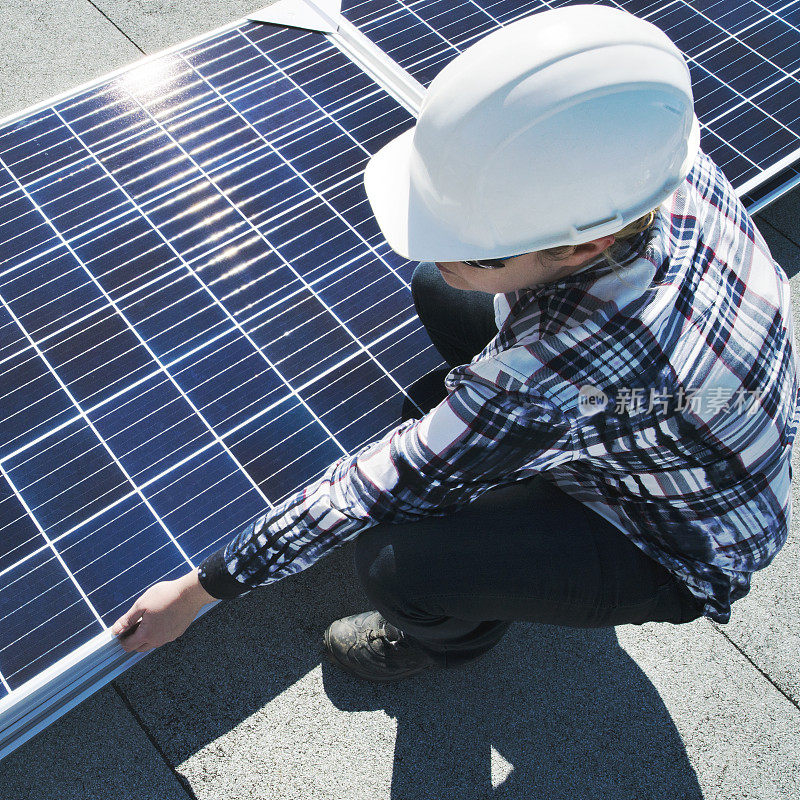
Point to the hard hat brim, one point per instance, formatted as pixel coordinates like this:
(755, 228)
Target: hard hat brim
(387, 181)
(407, 224)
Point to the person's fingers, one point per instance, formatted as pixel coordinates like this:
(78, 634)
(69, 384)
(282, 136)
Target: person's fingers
(135, 637)
(145, 648)
(131, 616)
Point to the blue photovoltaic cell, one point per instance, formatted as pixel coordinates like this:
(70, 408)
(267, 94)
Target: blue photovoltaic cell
(744, 59)
(198, 314)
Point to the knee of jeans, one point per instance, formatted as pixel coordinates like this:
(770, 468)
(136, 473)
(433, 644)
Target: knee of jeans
(376, 569)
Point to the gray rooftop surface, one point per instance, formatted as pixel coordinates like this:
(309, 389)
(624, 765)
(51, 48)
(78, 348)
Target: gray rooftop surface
(242, 707)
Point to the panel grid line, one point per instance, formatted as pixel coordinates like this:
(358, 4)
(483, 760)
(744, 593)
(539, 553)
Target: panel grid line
(266, 239)
(4, 474)
(162, 368)
(216, 301)
(77, 405)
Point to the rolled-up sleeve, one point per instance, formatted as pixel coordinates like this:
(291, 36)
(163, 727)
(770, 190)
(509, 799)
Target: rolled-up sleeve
(478, 438)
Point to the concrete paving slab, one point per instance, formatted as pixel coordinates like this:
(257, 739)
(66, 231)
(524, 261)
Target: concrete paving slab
(766, 623)
(242, 706)
(156, 24)
(47, 48)
(783, 215)
(784, 250)
(97, 751)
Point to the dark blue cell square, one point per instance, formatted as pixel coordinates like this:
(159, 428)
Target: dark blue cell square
(349, 201)
(376, 121)
(284, 449)
(360, 10)
(247, 276)
(777, 5)
(358, 403)
(52, 293)
(31, 400)
(277, 110)
(776, 41)
(149, 165)
(66, 478)
(78, 199)
(231, 61)
(104, 116)
(324, 155)
(7, 183)
(205, 501)
(426, 66)
(229, 382)
(332, 80)
(286, 46)
(99, 358)
(42, 618)
(731, 16)
(117, 555)
(24, 232)
(193, 220)
(37, 145)
(175, 314)
(413, 45)
(736, 168)
(712, 97)
(459, 22)
(213, 134)
(264, 187)
(752, 132)
(19, 536)
(313, 239)
(783, 103)
(151, 428)
(367, 298)
(740, 68)
(167, 87)
(409, 355)
(402, 267)
(301, 337)
(507, 10)
(687, 29)
(127, 256)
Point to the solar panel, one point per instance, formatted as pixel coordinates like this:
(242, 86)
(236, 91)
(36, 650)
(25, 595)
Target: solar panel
(198, 315)
(198, 312)
(744, 60)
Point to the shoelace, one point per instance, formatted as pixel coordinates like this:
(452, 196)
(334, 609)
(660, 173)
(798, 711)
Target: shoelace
(374, 636)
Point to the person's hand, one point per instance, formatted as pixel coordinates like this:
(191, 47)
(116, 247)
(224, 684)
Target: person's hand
(161, 614)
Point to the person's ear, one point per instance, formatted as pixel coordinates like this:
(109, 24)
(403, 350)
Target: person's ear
(589, 250)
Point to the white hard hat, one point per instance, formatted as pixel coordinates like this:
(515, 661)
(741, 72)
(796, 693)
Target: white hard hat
(558, 129)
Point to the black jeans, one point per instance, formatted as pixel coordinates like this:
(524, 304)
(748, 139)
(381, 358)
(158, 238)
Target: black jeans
(523, 552)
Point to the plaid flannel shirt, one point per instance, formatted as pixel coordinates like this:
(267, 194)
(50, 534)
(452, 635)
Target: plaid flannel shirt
(660, 391)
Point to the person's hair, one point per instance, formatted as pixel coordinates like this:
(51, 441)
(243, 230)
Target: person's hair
(622, 241)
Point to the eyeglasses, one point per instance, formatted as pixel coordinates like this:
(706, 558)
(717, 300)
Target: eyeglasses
(489, 263)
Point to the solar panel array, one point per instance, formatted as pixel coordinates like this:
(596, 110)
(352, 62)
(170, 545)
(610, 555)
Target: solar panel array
(197, 310)
(744, 60)
(198, 315)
